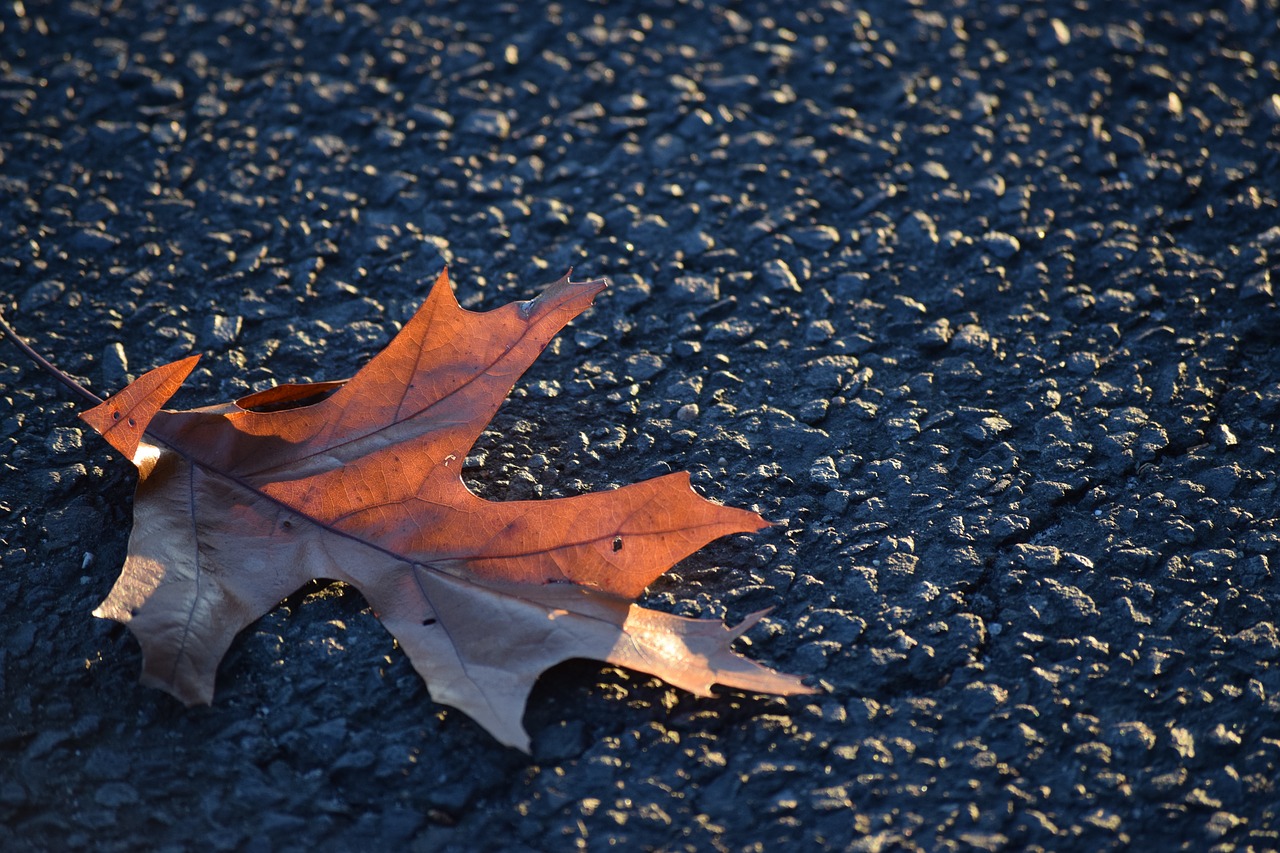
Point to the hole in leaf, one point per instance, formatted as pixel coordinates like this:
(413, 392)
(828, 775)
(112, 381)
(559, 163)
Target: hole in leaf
(115, 416)
(429, 621)
(132, 422)
(286, 524)
(617, 543)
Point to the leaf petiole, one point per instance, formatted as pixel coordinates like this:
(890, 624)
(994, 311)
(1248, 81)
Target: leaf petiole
(76, 387)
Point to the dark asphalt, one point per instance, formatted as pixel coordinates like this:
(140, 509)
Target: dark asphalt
(975, 299)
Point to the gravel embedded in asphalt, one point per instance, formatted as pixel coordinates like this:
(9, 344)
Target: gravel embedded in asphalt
(974, 300)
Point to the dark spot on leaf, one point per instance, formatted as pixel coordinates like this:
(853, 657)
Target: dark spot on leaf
(429, 621)
(286, 524)
(617, 543)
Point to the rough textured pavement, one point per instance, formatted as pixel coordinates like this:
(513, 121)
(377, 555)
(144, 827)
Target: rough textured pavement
(975, 299)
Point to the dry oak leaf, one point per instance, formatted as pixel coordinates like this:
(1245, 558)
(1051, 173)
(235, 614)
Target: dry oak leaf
(241, 504)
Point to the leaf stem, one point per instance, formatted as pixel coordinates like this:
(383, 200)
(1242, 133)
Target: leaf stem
(81, 391)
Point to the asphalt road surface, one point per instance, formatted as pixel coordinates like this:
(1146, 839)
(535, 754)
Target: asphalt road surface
(975, 300)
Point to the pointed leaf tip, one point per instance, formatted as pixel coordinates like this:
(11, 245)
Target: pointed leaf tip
(123, 418)
(572, 296)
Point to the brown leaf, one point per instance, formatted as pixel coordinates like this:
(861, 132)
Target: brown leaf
(239, 505)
